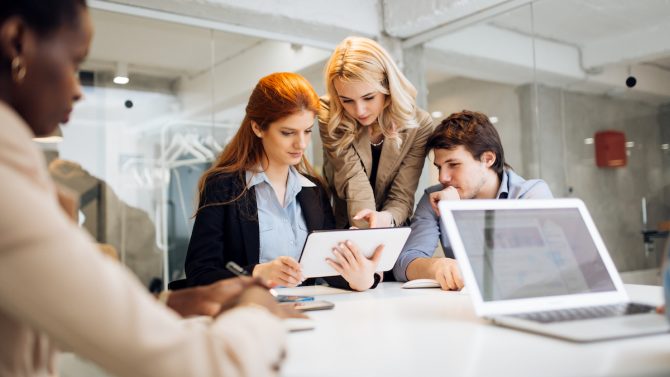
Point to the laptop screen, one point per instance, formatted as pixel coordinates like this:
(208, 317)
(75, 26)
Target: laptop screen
(528, 253)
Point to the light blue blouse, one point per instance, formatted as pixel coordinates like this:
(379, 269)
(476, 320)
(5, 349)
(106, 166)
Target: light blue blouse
(282, 230)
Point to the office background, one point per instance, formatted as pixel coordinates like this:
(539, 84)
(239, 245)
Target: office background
(549, 73)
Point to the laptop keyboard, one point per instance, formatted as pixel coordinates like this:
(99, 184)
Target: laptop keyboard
(589, 312)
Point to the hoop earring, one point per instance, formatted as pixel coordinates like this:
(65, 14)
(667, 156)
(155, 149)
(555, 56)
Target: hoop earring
(18, 70)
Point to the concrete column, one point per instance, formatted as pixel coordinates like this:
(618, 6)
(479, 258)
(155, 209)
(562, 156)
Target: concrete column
(414, 68)
(664, 123)
(529, 135)
(412, 62)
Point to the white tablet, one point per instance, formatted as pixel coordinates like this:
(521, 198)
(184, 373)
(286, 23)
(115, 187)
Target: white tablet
(319, 246)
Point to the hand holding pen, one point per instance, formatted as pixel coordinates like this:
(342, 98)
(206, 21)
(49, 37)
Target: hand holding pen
(250, 296)
(239, 271)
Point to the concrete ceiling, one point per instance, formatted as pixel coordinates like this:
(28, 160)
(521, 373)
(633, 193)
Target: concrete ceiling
(586, 44)
(663, 63)
(155, 47)
(590, 46)
(582, 22)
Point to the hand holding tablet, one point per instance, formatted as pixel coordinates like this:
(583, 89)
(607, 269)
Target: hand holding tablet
(356, 269)
(319, 247)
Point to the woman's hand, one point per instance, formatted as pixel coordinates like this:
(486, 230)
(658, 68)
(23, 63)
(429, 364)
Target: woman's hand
(284, 271)
(210, 300)
(259, 296)
(353, 266)
(375, 219)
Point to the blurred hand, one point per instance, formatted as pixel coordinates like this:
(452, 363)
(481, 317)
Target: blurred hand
(375, 219)
(448, 274)
(69, 202)
(257, 295)
(354, 267)
(210, 300)
(448, 193)
(284, 271)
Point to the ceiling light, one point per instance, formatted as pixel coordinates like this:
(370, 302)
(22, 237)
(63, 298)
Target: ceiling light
(665, 147)
(121, 76)
(588, 141)
(493, 120)
(436, 114)
(630, 144)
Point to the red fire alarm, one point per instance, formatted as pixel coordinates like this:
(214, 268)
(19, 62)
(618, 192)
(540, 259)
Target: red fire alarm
(610, 149)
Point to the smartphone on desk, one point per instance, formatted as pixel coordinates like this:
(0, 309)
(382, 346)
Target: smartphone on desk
(314, 305)
(292, 298)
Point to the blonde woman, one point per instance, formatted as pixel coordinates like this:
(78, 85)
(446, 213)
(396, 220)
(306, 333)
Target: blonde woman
(373, 135)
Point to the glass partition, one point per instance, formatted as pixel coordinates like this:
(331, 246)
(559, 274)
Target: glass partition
(600, 117)
(562, 80)
(133, 151)
(553, 76)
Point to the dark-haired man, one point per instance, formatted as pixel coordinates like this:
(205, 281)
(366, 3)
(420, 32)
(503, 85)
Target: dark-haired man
(471, 164)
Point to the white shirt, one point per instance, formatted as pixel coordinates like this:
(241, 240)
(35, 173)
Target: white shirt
(57, 289)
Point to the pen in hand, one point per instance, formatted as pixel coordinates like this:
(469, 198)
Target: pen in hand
(239, 271)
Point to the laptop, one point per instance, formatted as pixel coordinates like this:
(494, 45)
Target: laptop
(541, 266)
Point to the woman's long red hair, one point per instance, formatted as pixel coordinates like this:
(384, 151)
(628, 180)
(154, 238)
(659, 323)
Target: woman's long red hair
(275, 97)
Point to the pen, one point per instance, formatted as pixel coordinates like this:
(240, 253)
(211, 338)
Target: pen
(239, 271)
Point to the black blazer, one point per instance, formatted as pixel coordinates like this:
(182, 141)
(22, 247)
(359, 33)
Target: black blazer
(226, 229)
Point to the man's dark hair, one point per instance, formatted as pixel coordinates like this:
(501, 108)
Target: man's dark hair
(44, 16)
(473, 131)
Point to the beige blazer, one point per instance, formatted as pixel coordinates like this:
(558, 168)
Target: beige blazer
(56, 289)
(348, 173)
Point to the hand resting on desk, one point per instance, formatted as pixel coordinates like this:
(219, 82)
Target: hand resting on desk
(444, 270)
(211, 300)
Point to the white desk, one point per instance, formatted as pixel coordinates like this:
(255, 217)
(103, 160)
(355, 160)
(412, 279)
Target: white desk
(391, 331)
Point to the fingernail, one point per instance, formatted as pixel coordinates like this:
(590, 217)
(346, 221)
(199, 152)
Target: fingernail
(348, 243)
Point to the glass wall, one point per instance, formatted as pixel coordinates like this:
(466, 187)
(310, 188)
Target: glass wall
(133, 152)
(559, 77)
(550, 74)
(609, 88)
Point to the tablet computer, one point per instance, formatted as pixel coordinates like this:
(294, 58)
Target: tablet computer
(319, 246)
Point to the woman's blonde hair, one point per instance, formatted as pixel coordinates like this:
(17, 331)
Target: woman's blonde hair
(358, 59)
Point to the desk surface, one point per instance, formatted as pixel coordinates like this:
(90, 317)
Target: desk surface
(391, 331)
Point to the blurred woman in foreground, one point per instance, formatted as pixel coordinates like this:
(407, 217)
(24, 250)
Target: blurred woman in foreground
(55, 287)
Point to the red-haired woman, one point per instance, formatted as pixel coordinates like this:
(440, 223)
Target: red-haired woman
(261, 198)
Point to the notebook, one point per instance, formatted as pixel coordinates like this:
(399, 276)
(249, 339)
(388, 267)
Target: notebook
(541, 266)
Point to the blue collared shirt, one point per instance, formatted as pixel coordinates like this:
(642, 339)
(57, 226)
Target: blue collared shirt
(282, 230)
(427, 228)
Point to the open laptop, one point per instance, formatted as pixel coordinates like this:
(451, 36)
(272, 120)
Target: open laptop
(541, 266)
